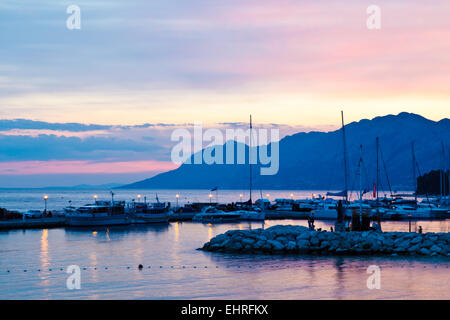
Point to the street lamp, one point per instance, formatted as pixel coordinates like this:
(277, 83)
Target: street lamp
(177, 196)
(139, 197)
(95, 198)
(240, 196)
(292, 196)
(268, 196)
(45, 201)
(210, 197)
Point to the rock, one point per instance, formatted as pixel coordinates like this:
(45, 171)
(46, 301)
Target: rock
(325, 244)
(314, 241)
(282, 239)
(303, 244)
(276, 245)
(291, 246)
(427, 243)
(247, 241)
(300, 239)
(416, 240)
(436, 249)
(303, 236)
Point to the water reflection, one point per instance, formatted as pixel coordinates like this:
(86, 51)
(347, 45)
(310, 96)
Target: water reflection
(217, 275)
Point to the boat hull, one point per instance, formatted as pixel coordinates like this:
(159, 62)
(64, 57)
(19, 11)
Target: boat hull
(81, 221)
(150, 218)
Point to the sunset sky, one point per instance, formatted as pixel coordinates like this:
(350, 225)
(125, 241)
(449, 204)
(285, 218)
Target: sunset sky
(168, 63)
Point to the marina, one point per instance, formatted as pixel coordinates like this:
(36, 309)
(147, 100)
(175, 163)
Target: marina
(120, 212)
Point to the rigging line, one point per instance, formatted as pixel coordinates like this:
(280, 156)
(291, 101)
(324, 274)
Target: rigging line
(426, 192)
(366, 175)
(386, 172)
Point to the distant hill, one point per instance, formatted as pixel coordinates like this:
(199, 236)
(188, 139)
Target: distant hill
(88, 186)
(314, 160)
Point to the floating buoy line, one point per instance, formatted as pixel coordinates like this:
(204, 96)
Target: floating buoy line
(141, 267)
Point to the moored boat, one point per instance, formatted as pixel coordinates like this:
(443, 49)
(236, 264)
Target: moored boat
(141, 212)
(214, 215)
(101, 213)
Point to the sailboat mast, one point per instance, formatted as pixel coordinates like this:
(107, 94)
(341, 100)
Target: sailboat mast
(250, 159)
(448, 179)
(345, 157)
(442, 172)
(378, 171)
(414, 171)
(360, 179)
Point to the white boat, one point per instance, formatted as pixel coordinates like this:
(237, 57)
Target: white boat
(284, 204)
(404, 212)
(101, 213)
(141, 212)
(325, 211)
(251, 215)
(212, 214)
(69, 209)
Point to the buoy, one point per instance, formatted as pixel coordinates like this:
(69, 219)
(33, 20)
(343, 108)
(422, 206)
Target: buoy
(140, 267)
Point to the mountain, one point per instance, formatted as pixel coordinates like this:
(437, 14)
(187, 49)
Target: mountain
(88, 186)
(315, 160)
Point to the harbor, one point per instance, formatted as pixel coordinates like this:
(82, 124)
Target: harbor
(60, 212)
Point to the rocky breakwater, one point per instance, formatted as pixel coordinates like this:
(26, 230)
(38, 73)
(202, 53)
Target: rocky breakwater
(298, 239)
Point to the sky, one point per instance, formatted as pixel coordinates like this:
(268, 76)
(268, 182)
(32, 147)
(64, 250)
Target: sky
(98, 104)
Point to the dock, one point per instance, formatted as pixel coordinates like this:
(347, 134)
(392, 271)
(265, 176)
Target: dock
(38, 223)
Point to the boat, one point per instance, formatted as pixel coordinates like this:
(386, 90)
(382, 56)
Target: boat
(284, 204)
(142, 212)
(251, 215)
(214, 215)
(325, 211)
(101, 213)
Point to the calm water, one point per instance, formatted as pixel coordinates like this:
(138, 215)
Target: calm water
(174, 269)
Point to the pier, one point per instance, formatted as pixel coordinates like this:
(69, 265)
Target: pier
(35, 223)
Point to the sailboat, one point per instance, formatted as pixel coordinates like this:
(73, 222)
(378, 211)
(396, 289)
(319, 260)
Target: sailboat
(327, 209)
(251, 213)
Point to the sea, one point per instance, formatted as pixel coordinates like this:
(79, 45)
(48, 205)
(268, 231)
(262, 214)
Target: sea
(38, 263)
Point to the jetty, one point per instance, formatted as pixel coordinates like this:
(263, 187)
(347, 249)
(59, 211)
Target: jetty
(35, 223)
(300, 240)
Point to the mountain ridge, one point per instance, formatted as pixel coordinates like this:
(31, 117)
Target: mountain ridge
(314, 160)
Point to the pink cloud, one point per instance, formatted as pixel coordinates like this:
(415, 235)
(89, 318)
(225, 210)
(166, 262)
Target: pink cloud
(83, 167)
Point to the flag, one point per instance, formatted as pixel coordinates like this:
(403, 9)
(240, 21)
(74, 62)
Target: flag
(214, 189)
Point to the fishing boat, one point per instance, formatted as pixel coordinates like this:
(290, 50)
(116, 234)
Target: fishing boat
(142, 212)
(214, 215)
(101, 213)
